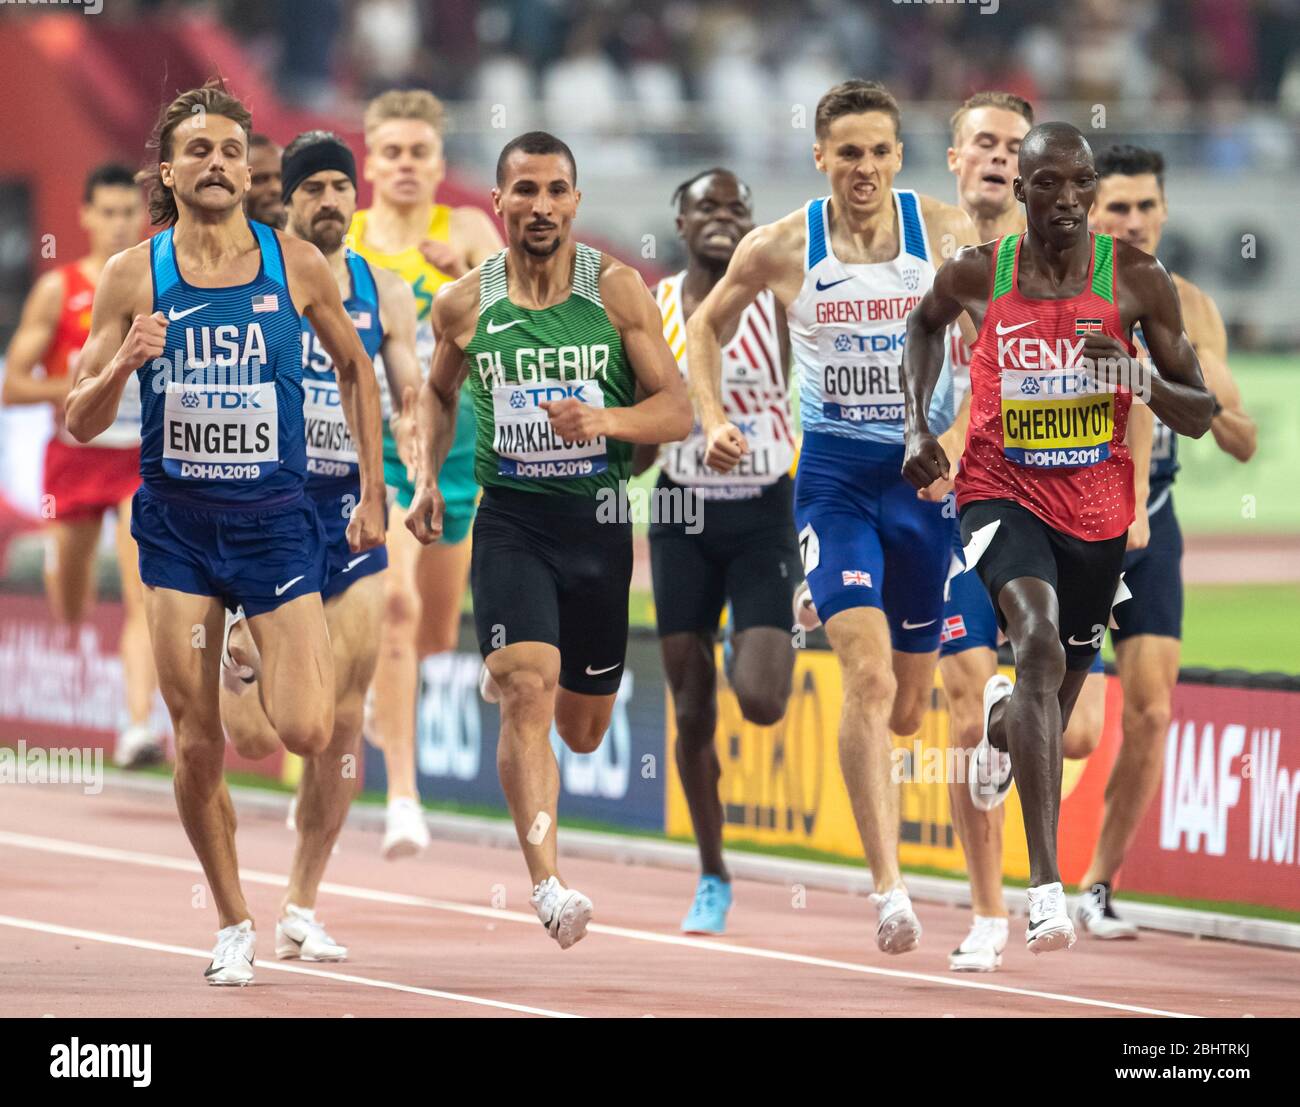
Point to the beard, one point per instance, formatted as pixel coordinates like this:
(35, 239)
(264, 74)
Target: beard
(541, 251)
(326, 235)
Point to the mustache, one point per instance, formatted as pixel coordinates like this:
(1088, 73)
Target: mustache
(540, 225)
(328, 217)
(217, 179)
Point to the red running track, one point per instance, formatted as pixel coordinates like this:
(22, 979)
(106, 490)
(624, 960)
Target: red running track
(104, 912)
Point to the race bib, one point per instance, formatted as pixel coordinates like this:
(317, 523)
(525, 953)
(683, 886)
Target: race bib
(527, 447)
(220, 431)
(330, 449)
(769, 458)
(1054, 419)
(860, 377)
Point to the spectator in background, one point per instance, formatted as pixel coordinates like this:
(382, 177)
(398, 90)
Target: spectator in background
(308, 31)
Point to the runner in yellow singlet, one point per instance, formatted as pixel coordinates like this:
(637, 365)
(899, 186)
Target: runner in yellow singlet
(428, 244)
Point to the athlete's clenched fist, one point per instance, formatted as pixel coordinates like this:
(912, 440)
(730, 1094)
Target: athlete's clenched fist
(424, 519)
(575, 421)
(366, 526)
(145, 341)
(725, 446)
(925, 461)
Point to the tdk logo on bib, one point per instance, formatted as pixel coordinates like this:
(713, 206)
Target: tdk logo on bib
(870, 343)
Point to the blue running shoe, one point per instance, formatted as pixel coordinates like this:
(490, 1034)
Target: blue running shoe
(708, 913)
(729, 649)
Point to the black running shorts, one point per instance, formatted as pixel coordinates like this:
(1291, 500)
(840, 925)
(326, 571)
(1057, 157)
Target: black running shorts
(546, 568)
(1084, 575)
(745, 551)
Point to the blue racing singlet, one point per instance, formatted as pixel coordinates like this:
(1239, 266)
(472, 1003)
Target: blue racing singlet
(221, 420)
(332, 465)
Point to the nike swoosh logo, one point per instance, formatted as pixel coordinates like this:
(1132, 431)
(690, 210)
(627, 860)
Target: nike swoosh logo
(492, 329)
(353, 563)
(597, 672)
(281, 589)
(174, 315)
(1017, 327)
(918, 626)
(823, 287)
(1085, 642)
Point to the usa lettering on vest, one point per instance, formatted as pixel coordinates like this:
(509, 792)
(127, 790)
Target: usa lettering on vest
(223, 346)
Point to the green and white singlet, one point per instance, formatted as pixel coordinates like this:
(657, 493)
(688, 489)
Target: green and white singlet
(520, 358)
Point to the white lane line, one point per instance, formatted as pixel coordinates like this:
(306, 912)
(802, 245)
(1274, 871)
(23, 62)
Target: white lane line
(349, 891)
(276, 966)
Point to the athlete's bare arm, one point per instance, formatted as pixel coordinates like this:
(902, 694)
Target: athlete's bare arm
(664, 415)
(29, 344)
(1141, 425)
(960, 285)
(770, 256)
(401, 364)
(454, 318)
(1233, 429)
(123, 337)
(316, 293)
(1146, 295)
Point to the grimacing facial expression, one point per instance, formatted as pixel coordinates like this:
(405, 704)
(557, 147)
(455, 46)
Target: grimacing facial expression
(986, 158)
(860, 155)
(715, 215)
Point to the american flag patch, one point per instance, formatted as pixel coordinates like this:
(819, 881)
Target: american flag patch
(856, 576)
(953, 627)
(269, 302)
(361, 319)
(1084, 326)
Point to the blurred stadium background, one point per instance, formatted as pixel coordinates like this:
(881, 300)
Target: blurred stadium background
(648, 93)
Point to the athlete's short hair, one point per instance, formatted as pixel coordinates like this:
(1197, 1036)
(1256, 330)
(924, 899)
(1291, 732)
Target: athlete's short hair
(214, 99)
(257, 140)
(853, 97)
(405, 103)
(1125, 160)
(110, 175)
(680, 192)
(535, 142)
(990, 98)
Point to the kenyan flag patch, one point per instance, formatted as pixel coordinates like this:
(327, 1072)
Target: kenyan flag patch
(1086, 326)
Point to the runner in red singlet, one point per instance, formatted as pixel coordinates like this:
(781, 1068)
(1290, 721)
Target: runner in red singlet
(83, 482)
(1046, 486)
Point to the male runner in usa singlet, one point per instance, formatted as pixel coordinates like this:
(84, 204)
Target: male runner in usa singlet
(207, 316)
(848, 268)
(1046, 483)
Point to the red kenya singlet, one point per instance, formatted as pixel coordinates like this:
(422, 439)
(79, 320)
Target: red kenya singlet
(1039, 434)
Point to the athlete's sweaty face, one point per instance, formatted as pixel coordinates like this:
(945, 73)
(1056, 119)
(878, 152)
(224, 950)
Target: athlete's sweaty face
(208, 169)
(860, 155)
(986, 158)
(1131, 208)
(537, 201)
(404, 161)
(715, 215)
(113, 220)
(264, 203)
(1058, 188)
(320, 209)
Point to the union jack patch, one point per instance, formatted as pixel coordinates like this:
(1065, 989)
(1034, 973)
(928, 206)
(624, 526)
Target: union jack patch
(953, 627)
(856, 576)
(269, 302)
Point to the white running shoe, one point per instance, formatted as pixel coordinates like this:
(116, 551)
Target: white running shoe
(990, 769)
(564, 912)
(406, 833)
(1049, 923)
(487, 687)
(898, 930)
(1095, 914)
(805, 611)
(299, 934)
(981, 949)
(136, 747)
(232, 958)
(236, 678)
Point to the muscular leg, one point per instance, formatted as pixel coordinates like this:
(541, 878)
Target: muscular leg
(1028, 724)
(980, 832)
(914, 673)
(186, 633)
(527, 674)
(396, 679)
(1083, 730)
(441, 577)
(761, 674)
(860, 638)
(244, 717)
(296, 682)
(137, 654)
(327, 786)
(582, 719)
(692, 677)
(1148, 671)
(70, 568)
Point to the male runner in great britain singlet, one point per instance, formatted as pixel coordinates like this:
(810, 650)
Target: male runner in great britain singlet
(320, 194)
(427, 244)
(848, 268)
(1131, 206)
(556, 340)
(1046, 483)
(81, 483)
(207, 316)
(738, 545)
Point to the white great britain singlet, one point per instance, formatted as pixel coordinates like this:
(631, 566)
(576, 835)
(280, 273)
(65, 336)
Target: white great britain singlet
(754, 398)
(848, 326)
